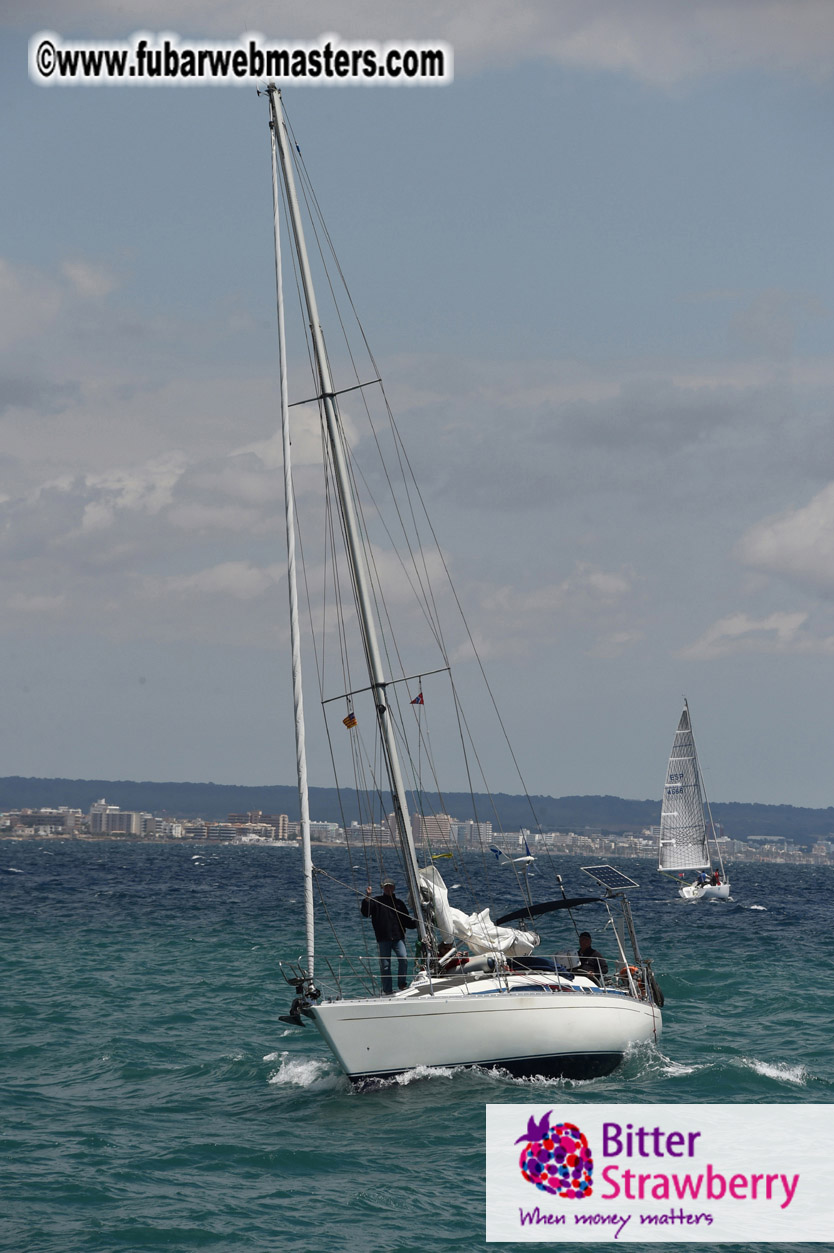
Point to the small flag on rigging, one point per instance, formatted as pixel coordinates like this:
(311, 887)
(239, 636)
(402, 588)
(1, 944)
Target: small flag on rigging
(418, 699)
(350, 720)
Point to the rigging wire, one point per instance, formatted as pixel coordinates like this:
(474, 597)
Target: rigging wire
(427, 601)
(417, 572)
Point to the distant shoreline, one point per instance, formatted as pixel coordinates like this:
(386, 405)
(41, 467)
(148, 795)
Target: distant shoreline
(594, 814)
(793, 859)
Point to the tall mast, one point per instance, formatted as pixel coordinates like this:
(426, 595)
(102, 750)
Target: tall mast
(347, 508)
(295, 634)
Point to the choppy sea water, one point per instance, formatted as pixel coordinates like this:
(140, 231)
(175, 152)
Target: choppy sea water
(152, 1099)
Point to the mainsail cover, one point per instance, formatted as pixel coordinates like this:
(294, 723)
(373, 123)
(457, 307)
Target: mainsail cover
(477, 931)
(683, 833)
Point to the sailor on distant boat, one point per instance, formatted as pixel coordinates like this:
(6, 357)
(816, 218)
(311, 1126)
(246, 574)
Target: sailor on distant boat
(389, 917)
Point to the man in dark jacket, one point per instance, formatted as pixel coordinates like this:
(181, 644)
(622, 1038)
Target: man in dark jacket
(592, 962)
(389, 917)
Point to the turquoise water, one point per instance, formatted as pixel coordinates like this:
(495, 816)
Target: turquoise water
(151, 1099)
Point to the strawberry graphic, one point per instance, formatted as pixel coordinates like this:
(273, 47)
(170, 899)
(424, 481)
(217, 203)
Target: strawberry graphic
(557, 1158)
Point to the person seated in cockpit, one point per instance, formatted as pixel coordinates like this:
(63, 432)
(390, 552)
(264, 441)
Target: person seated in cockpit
(590, 961)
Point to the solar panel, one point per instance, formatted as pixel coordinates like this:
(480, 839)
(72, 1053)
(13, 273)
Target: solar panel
(610, 878)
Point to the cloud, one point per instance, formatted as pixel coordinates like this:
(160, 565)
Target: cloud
(111, 522)
(651, 40)
(769, 322)
(87, 385)
(797, 546)
(586, 586)
(672, 431)
(306, 440)
(240, 580)
(91, 281)
(739, 633)
(30, 301)
(615, 643)
(646, 414)
(146, 488)
(508, 620)
(20, 392)
(626, 427)
(19, 602)
(199, 517)
(105, 524)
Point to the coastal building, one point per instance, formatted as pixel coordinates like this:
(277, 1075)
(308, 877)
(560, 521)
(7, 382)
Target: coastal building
(280, 824)
(320, 832)
(434, 829)
(60, 821)
(221, 831)
(107, 819)
(97, 815)
(471, 834)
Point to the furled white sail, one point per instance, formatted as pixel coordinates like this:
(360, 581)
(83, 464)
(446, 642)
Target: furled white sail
(683, 832)
(477, 931)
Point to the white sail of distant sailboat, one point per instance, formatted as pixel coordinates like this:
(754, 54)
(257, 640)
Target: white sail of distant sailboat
(479, 994)
(687, 833)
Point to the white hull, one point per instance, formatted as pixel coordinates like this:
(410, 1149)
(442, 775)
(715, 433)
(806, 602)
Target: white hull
(559, 1032)
(709, 891)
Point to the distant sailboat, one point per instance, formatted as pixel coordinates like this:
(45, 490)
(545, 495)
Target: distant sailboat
(687, 835)
(505, 860)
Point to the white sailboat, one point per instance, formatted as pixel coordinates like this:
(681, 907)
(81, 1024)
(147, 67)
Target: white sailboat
(480, 996)
(687, 833)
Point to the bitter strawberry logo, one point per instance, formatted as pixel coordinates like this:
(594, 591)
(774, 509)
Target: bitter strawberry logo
(556, 1158)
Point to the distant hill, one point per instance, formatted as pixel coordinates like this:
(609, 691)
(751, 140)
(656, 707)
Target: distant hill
(564, 813)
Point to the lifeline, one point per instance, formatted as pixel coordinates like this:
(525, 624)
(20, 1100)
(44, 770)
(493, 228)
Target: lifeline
(638, 1187)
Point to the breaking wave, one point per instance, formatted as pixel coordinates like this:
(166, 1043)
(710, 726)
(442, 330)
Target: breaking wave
(785, 1072)
(312, 1073)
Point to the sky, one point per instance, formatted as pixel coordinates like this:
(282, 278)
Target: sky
(597, 272)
